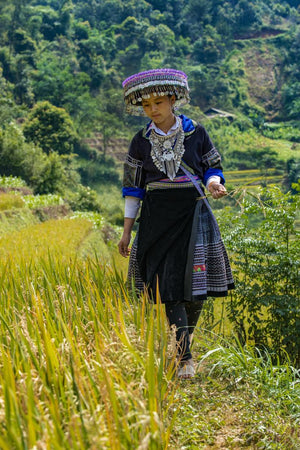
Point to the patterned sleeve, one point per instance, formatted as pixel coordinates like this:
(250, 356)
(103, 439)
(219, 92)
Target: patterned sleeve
(133, 179)
(211, 160)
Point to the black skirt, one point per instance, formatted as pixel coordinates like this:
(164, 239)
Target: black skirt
(170, 238)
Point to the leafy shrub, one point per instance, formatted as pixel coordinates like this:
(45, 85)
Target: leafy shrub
(112, 204)
(36, 201)
(45, 174)
(97, 220)
(264, 308)
(85, 199)
(50, 128)
(282, 131)
(253, 158)
(100, 169)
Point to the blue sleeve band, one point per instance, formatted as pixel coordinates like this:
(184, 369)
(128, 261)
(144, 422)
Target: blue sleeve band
(133, 192)
(212, 172)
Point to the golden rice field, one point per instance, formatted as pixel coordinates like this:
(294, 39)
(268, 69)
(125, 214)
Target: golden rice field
(85, 365)
(80, 366)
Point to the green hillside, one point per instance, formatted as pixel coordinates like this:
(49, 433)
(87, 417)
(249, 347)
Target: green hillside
(240, 57)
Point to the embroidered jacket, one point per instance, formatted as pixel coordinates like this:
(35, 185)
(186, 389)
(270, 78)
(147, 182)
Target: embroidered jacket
(200, 155)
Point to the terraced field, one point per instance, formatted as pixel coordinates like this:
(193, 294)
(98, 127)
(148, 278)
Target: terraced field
(253, 178)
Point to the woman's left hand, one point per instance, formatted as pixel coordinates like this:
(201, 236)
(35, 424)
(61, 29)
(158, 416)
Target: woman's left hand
(217, 190)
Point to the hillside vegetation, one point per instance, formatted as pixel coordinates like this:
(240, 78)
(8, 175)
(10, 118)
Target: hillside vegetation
(62, 63)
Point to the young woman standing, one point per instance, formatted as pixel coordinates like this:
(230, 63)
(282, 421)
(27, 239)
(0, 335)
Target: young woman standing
(178, 247)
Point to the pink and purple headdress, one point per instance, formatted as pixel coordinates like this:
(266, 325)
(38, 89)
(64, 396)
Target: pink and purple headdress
(157, 82)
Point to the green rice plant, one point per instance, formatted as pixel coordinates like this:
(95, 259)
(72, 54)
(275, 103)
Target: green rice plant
(82, 364)
(62, 237)
(86, 364)
(37, 201)
(97, 219)
(12, 182)
(16, 220)
(10, 201)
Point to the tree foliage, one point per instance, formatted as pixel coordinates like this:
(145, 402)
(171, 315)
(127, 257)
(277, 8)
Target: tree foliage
(67, 52)
(45, 174)
(51, 128)
(75, 54)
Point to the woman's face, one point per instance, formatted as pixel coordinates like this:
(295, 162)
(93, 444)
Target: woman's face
(159, 109)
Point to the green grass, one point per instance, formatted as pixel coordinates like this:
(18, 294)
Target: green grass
(16, 220)
(10, 201)
(86, 365)
(238, 400)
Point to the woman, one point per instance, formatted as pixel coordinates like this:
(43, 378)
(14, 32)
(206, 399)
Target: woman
(178, 250)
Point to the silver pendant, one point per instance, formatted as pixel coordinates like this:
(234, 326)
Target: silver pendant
(166, 151)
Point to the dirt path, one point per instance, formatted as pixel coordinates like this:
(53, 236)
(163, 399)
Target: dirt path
(260, 34)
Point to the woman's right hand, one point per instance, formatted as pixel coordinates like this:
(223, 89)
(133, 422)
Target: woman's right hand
(124, 245)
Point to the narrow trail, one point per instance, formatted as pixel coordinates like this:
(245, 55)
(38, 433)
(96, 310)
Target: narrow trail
(220, 413)
(260, 34)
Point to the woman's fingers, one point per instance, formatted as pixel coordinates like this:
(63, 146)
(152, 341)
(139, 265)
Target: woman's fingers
(217, 190)
(123, 249)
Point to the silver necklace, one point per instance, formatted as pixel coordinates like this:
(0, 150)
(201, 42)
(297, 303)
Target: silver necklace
(166, 151)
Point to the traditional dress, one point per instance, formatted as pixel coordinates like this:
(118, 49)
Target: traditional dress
(178, 249)
(178, 244)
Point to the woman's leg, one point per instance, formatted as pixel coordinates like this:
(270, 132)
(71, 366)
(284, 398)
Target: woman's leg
(176, 314)
(193, 311)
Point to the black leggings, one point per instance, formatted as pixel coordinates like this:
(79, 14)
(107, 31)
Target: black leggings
(185, 317)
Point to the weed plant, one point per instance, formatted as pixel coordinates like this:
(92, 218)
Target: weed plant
(95, 218)
(264, 308)
(44, 200)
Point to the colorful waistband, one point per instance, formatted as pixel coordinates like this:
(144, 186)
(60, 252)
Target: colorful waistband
(179, 182)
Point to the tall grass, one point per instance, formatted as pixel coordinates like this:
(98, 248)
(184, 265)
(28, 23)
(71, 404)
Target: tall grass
(83, 365)
(246, 364)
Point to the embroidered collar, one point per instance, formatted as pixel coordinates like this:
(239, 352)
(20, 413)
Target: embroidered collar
(176, 125)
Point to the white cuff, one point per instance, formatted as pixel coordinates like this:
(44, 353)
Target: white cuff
(214, 178)
(132, 206)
